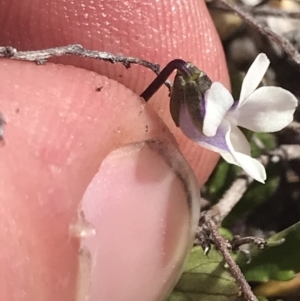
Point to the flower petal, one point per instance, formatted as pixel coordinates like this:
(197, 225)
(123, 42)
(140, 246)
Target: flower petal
(268, 109)
(216, 143)
(251, 166)
(229, 141)
(254, 76)
(240, 151)
(236, 141)
(218, 101)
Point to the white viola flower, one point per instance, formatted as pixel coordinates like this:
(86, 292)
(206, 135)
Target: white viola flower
(266, 109)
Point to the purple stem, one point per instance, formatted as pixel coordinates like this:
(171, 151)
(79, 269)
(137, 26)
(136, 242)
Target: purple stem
(178, 64)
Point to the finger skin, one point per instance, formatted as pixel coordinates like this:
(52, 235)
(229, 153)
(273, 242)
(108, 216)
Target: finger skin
(54, 145)
(157, 31)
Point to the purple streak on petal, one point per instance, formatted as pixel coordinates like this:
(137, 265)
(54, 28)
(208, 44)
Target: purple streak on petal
(234, 106)
(218, 141)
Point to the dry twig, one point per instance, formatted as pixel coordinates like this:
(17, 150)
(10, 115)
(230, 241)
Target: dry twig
(41, 56)
(264, 11)
(207, 233)
(222, 246)
(289, 49)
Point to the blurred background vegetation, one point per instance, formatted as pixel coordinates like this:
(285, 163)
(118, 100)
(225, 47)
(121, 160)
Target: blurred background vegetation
(271, 211)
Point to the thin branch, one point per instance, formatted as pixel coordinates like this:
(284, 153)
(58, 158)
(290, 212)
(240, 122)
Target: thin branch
(222, 246)
(266, 31)
(239, 241)
(264, 11)
(269, 11)
(231, 198)
(41, 56)
(208, 233)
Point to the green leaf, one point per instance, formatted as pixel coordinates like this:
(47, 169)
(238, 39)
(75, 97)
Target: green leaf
(205, 279)
(226, 233)
(278, 262)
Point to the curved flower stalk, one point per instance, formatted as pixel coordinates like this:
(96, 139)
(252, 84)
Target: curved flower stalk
(208, 115)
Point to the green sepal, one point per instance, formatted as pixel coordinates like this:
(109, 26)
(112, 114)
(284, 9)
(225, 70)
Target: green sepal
(189, 90)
